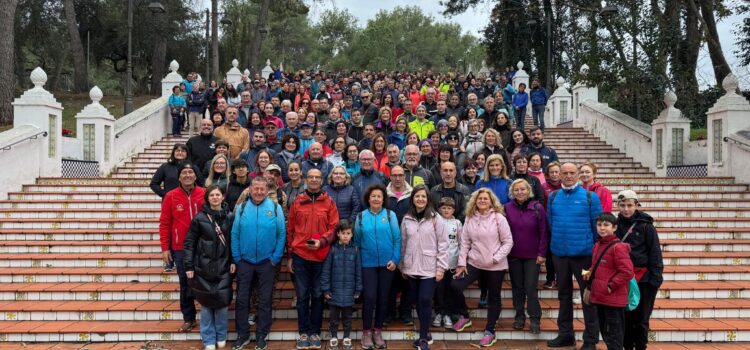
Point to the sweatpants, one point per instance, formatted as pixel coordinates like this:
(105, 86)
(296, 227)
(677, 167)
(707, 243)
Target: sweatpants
(611, 322)
(524, 279)
(567, 268)
(340, 313)
(376, 284)
(636, 321)
(422, 291)
(493, 280)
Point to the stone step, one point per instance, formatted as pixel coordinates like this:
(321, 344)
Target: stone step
(79, 235)
(72, 213)
(102, 223)
(80, 247)
(88, 181)
(80, 204)
(671, 181)
(706, 213)
(81, 260)
(142, 195)
(86, 188)
(694, 188)
(694, 203)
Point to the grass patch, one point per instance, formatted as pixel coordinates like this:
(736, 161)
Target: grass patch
(698, 134)
(74, 103)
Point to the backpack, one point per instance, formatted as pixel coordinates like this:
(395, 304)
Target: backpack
(588, 199)
(387, 214)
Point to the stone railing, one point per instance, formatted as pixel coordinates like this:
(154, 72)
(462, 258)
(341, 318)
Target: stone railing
(139, 129)
(20, 156)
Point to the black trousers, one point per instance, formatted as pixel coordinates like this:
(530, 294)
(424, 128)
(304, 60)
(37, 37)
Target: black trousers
(345, 315)
(493, 280)
(567, 268)
(445, 296)
(636, 321)
(611, 321)
(549, 265)
(265, 274)
(399, 286)
(524, 278)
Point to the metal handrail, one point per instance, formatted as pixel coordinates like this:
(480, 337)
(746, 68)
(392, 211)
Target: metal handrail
(727, 139)
(32, 137)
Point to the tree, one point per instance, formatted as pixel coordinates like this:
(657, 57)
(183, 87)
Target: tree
(7, 19)
(215, 39)
(743, 37)
(336, 31)
(81, 75)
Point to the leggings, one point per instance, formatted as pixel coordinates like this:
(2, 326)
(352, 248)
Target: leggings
(422, 290)
(376, 282)
(493, 280)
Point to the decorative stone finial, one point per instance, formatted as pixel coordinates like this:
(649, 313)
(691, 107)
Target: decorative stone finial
(520, 65)
(729, 84)
(560, 81)
(199, 78)
(96, 94)
(670, 98)
(584, 69)
(235, 63)
(268, 62)
(38, 77)
(246, 72)
(174, 66)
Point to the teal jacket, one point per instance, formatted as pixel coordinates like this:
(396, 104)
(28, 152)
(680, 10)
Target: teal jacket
(378, 237)
(259, 232)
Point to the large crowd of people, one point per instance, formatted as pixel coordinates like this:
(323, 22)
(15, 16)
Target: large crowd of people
(397, 192)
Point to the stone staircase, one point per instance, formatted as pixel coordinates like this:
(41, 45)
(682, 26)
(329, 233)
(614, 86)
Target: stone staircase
(79, 259)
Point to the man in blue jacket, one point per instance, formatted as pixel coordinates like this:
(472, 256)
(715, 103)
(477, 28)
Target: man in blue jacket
(258, 239)
(539, 99)
(367, 175)
(571, 216)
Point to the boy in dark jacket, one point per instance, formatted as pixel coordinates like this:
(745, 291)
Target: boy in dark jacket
(610, 274)
(645, 252)
(341, 282)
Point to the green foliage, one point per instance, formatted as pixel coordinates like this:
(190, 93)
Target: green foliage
(743, 36)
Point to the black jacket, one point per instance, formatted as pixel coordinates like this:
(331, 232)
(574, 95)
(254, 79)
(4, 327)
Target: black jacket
(460, 195)
(167, 174)
(201, 148)
(234, 190)
(210, 257)
(645, 250)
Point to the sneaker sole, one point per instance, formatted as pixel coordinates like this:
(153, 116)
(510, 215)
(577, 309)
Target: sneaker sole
(490, 344)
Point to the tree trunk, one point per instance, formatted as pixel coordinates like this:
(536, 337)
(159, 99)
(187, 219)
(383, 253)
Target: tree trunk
(215, 39)
(721, 67)
(81, 75)
(253, 47)
(52, 84)
(158, 61)
(7, 17)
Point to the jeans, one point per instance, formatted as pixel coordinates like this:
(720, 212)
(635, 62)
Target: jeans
(524, 279)
(214, 325)
(177, 120)
(265, 275)
(567, 268)
(537, 115)
(636, 321)
(520, 117)
(343, 313)
(187, 299)
(399, 285)
(493, 280)
(422, 290)
(611, 321)
(309, 295)
(376, 284)
(445, 296)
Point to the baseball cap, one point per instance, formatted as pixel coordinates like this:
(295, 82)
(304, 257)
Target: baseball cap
(627, 194)
(273, 167)
(306, 125)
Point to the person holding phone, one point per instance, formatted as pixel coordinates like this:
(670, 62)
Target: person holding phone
(486, 242)
(377, 234)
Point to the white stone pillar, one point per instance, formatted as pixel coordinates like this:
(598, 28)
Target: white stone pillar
(583, 92)
(95, 127)
(669, 134)
(730, 114)
(38, 107)
(171, 80)
(559, 105)
(234, 75)
(521, 77)
(267, 70)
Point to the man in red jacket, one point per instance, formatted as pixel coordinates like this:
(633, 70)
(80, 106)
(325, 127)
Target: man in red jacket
(179, 207)
(312, 218)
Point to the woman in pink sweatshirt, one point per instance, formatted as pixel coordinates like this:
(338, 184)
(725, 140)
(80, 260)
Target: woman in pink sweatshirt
(485, 244)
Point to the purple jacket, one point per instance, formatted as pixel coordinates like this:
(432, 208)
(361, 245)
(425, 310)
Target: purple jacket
(528, 224)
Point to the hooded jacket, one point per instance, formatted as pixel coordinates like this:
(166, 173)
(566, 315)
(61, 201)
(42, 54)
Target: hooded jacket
(311, 216)
(378, 237)
(283, 159)
(610, 283)
(210, 257)
(399, 205)
(424, 246)
(342, 274)
(645, 249)
(605, 196)
(177, 211)
(259, 232)
(234, 190)
(168, 174)
(418, 176)
(486, 242)
(460, 195)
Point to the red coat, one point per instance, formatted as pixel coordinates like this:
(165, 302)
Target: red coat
(614, 271)
(603, 193)
(177, 211)
(310, 219)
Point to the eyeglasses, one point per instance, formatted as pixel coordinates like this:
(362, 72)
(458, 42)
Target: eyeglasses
(452, 138)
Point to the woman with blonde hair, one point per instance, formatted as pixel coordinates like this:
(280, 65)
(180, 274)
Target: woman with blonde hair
(339, 188)
(486, 241)
(495, 177)
(217, 174)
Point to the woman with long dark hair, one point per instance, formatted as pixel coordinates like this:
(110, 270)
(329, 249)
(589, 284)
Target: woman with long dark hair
(167, 177)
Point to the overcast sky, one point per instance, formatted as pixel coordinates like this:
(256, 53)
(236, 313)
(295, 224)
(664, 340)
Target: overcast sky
(475, 19)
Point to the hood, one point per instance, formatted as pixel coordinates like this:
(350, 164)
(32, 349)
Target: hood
(594, 186)
(406, 194)
(638, 216)
(218, 215)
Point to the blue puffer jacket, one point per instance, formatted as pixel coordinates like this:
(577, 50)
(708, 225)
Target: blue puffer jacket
(342, 274)
(538, 96)
(499, 186)
(571, 217)
(378, 237)
(365, 179)
(347, 200)
(259, 232)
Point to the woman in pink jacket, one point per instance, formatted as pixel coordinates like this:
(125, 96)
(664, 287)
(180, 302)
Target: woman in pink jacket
(485, 244)
(424, 248)
(587, 172)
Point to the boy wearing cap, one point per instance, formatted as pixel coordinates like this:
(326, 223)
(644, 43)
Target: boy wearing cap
(645, 252)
